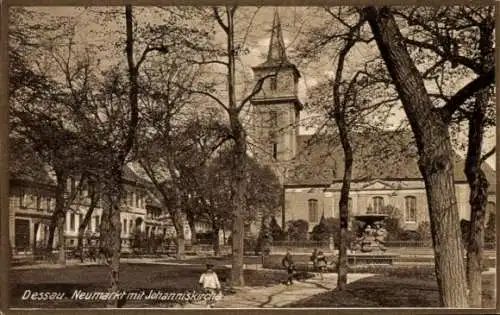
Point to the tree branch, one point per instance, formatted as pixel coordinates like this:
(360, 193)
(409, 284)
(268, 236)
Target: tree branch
(487, 155)
(256, 89)
(207, 62)
(466, 92)
(219, 20)
(455, 58)
(161, 49)
(215, 98)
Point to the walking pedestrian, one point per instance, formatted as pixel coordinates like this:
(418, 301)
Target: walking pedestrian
(321, 263)
(287, 262)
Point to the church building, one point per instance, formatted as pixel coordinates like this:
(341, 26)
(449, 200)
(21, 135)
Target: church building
(385, 171)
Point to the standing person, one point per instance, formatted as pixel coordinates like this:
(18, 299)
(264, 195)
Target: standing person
(313, 258)
(287, 262)
(321, 263)
(210, 283)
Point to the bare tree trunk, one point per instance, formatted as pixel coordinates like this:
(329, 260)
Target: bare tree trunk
(434, 146)
(192, 227)
(179, 238)
(62, 240)
(181, 243)
(344, 210)
(478, 199)
(59, 209)
(239, 184)
(475, 244)
(58, 219)
(238, 202)
(85, 223)
(215, 241)
(340, 105)
(476, 178)
(51, 233)
(37, 227)
(110, 236)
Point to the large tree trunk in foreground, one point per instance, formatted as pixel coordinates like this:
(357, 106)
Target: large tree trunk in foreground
(239, 183)
(435, 162)
(238, 203)
(110, 235)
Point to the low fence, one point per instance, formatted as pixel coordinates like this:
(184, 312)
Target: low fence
(390, 244)
(303, 261)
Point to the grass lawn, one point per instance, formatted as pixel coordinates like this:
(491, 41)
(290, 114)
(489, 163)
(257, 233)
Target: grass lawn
(391, 291)
(133, 277)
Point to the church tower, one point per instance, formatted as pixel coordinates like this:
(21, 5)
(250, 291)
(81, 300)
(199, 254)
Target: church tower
(276, 108)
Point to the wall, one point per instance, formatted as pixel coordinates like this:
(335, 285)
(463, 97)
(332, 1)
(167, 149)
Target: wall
(393, 193)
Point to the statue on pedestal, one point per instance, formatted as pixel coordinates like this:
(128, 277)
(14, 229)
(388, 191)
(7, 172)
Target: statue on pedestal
(371, 238)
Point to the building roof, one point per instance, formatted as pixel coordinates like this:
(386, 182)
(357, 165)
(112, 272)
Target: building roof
(387, 155)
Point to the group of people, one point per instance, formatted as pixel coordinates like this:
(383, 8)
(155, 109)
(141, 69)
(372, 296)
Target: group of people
(318, 259)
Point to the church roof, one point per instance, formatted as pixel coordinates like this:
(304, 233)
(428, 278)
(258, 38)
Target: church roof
(385, 155)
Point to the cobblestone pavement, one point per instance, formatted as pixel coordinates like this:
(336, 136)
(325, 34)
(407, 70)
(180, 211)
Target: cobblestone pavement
(282, 295)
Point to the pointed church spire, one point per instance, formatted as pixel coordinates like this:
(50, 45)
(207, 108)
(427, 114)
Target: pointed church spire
(277, 51)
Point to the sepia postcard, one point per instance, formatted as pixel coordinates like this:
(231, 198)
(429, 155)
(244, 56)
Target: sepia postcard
(247, 157)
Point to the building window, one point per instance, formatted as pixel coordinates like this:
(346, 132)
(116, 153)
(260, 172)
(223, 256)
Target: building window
(313, 210)
(73, 184)
(131, 225)
(96, 221)
(138, 200)
(273, 119)
(80, 219)
(48, 204)
(491, 207)
(275, 150)
(349, 205)
(411, 209)
(378, 205)
(130, 199)
(274, 83)
(22, 198)
(39, 202)
(72, 221)
(124, 226)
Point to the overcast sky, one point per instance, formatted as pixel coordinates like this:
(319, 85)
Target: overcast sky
(254, 25)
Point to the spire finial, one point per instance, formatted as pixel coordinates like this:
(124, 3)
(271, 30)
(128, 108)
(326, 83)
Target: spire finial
(277, 51)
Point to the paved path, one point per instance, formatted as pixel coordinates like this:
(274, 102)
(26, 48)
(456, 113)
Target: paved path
(282, 295)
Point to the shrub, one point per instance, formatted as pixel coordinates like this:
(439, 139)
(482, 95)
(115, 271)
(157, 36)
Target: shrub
(424, 229)
(264, 241)
(277, 232)
(325, 229)
(490, 231)
(297, 230)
